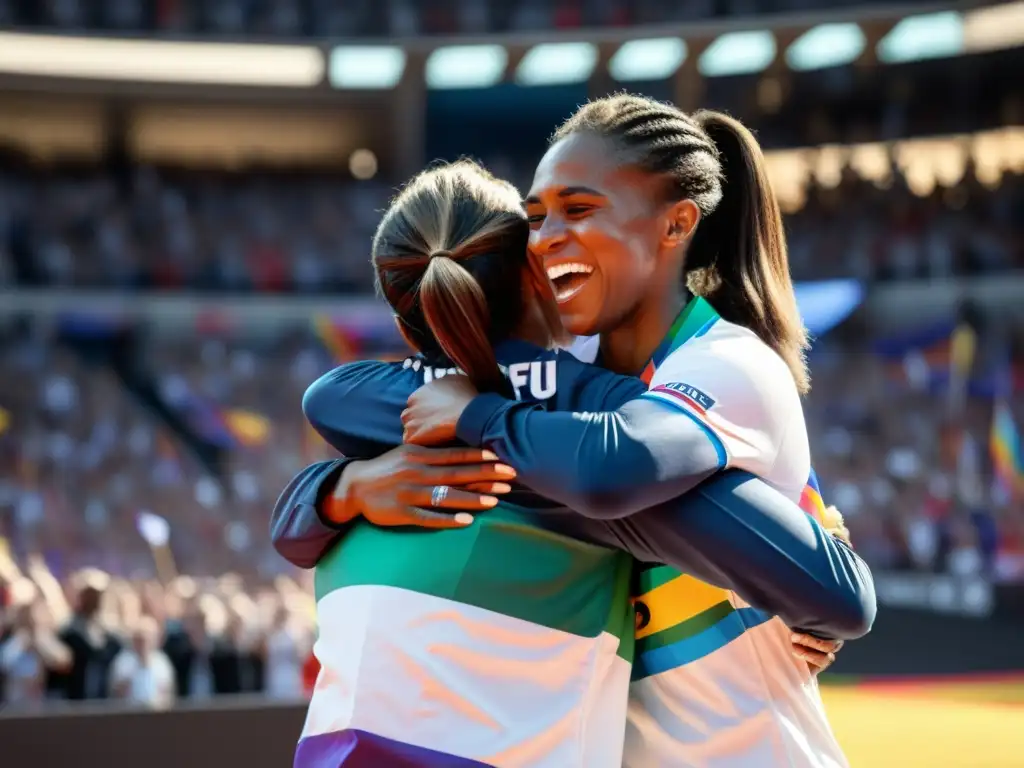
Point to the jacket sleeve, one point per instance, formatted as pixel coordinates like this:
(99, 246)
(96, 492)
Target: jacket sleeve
(297, 530)
(356, 409)
(605, 464)
(736, 532)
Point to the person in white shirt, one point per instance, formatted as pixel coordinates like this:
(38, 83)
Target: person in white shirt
(142, 674)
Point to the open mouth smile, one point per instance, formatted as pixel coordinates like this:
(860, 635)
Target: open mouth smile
(568, 279)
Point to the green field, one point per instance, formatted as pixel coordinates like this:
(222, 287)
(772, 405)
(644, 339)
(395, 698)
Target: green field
(930, 724)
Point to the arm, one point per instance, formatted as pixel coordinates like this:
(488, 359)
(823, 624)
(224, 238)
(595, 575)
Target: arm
(603, 465)
(706, 409)
(301, 528)
(738, 533)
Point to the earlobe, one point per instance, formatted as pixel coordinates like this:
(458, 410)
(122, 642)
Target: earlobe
(682, 218)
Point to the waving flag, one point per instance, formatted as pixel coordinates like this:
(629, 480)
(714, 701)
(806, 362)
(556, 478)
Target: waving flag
(338, 340)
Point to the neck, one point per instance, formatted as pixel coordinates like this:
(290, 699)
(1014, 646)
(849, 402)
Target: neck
(534, 329)
(629, 347)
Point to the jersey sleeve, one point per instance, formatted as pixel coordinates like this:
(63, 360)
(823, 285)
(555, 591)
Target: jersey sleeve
(357, 407)
(707, 409)
(736, 532)
(740, 393)
(298, 532)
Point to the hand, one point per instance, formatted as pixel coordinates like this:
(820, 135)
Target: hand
(819, 654)
(397, 488)
(834, 524)
(434, 410)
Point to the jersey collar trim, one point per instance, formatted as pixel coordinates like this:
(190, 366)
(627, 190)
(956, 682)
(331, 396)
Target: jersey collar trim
(694, 321)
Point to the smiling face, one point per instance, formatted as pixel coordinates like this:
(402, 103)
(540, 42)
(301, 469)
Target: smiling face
(597, 226)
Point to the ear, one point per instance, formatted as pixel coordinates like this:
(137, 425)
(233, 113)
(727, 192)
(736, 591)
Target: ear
(400, 325)
(680, 220)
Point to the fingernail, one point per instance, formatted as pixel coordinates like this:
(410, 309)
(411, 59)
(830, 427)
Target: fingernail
(490, 456)
(505, 470)
(488, 501)
(463, 518)
(795, 637)
(501, 488)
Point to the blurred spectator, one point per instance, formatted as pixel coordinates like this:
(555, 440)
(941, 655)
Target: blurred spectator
(93, 647)
(142, 673)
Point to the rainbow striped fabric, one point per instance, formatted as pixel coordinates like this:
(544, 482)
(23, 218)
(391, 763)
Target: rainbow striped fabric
(498, 644)
(1005, 449)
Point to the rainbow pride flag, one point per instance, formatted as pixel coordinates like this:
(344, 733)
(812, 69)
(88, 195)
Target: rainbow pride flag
(1005, 448)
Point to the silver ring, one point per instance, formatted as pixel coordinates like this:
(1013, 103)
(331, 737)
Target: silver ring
(438, 495)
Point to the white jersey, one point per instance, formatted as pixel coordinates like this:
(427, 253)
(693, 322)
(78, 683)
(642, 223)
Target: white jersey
(715, 683)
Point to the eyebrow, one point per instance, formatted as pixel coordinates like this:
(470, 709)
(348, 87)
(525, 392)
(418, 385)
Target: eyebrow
(567, 192)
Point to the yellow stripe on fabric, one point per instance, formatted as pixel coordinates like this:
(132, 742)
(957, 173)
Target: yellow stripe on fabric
(677, 601)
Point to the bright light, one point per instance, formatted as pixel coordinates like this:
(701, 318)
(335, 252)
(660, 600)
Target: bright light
(994, 28)
(738, 53)
(160, 61)
(557, 64)
(931, 36)
(466, 66)
(827, 45)
(362, 164)
(367, 66)
(647, 59)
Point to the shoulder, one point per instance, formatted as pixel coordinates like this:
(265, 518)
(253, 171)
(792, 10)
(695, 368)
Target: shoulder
(733, 362)
(737, 385)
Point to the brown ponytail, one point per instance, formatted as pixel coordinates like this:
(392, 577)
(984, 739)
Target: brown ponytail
(455, 308)
(450, 254)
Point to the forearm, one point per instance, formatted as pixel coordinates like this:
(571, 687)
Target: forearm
(301, 529)
(736, 532)
(603, 465)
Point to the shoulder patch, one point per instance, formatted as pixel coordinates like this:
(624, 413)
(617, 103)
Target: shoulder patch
(695, 398)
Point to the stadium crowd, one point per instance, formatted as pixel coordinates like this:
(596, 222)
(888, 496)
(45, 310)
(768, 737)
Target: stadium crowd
(83, 460)
(292, 18)
(169, 230)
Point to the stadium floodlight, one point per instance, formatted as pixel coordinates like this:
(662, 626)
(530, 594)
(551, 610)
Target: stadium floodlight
(929, 36)
(653, 59)
(366, 66)
(993, 28)
(557, 64)
(161, 61)
(826, 45)
(738, 53)
(466, 66)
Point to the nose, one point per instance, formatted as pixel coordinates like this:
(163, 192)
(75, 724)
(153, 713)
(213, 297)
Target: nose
(549, 237)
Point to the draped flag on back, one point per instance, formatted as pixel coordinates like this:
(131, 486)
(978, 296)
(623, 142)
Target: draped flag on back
(337, 339)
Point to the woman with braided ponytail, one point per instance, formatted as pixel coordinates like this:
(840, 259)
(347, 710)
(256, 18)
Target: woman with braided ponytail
(663, 242)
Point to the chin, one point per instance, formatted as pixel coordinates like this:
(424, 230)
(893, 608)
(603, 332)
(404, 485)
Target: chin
(579, 324)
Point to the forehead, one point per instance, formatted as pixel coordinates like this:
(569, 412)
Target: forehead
(584, 160)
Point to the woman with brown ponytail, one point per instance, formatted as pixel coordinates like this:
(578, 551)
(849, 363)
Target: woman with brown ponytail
(505, 640)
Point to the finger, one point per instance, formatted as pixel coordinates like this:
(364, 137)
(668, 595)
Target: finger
(454, 499)
(815, 643)
(429, 518)
(817, 661)
(463, 475)
(489, 488)
(438, 457)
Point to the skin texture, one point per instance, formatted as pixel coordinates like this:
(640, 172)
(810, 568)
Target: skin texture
(587, 206)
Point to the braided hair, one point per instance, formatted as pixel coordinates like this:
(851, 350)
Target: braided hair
(737, 257)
